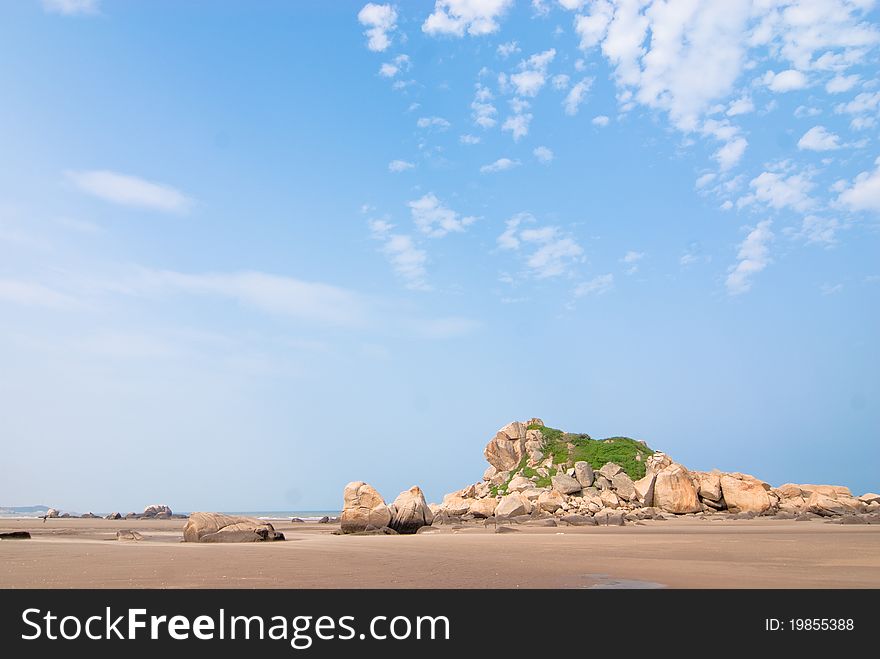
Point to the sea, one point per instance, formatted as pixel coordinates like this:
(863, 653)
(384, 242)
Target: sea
(265, 515)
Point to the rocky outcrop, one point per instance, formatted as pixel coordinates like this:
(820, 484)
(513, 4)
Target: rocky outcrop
(551, 501)
(157, 510)
(482, 508)
(113, 516)
(674, 491)
(217, 527)
(52, 513)
(506, 449)
(362, 507)
(744, 493)
(624, 487)
(645, 489)
(410, 512)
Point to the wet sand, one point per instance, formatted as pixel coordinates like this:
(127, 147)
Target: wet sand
(685, 553)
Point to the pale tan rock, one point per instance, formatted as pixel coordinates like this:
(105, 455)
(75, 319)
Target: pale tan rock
(789, 491)
(533, 493)
(483, 507)
(657, 463)
(609, 499)
(565, 484)
(624, 487)
(216, 527)
(832, 491)
(456, 505)
(506, 449)
(610, 469)
(744, 493)
(583, 472)
(520, 483)
(490, 472)
(870, 497)
(512, 505)
(709, 485)
(410, 512)
(362, 506)
(822, 504)
(674, 491)
(551, 501)
(645, 489)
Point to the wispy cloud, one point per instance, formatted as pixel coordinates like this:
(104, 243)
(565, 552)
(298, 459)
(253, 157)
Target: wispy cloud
(436, 220)
(543, 154)
(71, 7)
(457, 17)
(130, 190)
(433, 122)
(398, 166)
(550, 252)
(500, 165)
(576, 96)
(33, 294)
(753, 256)
(631, 260)
(596, 286)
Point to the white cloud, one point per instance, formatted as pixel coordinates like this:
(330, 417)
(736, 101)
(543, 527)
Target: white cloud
(632, 258)
(274, 294)
(693, 255)
(592, 27)
(841, 83)
(407, 260)
(553, 252)
(130, 190)
(469, 139)
(864, 193)
(380, 21)
(705, 180)
(397, 166)
(505, 50)
(802, 111)
(819, 139)
(561, 81)
(753, 256)
(819, 230)
(500, 165)
(518, 125)
(576, 96)
(455, 17)
(778, 191)
(433, 122)
(595, 286)
(863, 107)
(572, 5)
(436, 220)
(543, 154)
(830, 289)
(32, 294)
(533, 73)
(483, 110)
(785, 81)
(71, 7)
(730, 153)
(601, 120)
(395, 66)
(742, 105)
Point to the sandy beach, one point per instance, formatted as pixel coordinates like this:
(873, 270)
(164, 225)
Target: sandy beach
(681, 553)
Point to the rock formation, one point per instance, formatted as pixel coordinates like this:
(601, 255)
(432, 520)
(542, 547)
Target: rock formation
(363, 507)
(216, 527)
(157, 510)
(410, 512)
(543, 476)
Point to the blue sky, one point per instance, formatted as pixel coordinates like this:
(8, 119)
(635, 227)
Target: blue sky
(253, 251)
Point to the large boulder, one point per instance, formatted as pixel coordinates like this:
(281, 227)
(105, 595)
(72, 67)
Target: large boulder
(52, 513)
(828, 506)
(583, 472)
(520, 483)
(624, 487)
(744, 493)
(505, 450)
(481, 508)
(610, 469)
(645, 489)
(833, 491)
(551, 501)
(410, 512)
(456, 505)
(565, 484)
(512, 505)
(869, 498)
(217, 527)
(157, 510)
(362, 506)
(674, 491)
(709, 485)
(609, 499)
(113, 516)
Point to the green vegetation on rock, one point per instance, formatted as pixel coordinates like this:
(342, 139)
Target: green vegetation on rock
(571, 447)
